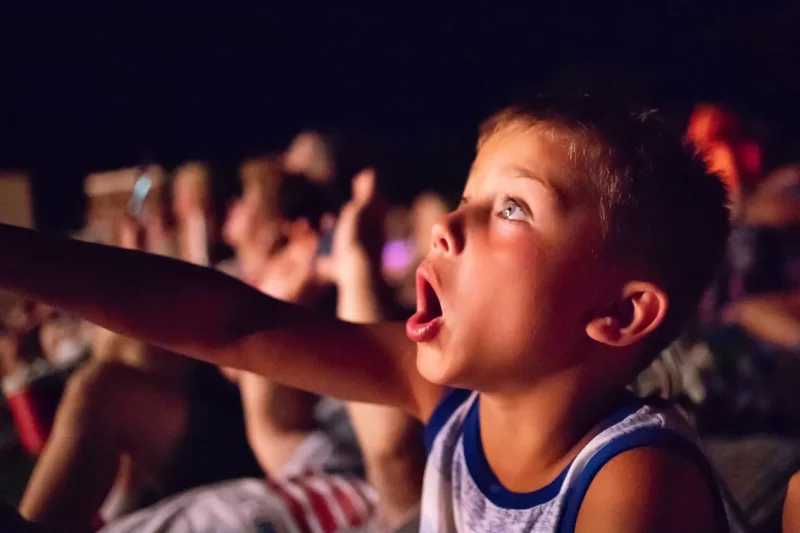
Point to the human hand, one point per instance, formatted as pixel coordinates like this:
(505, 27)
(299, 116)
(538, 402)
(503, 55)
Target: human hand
(130, 233)
(146, 233)
(358, 238)
(289, 273)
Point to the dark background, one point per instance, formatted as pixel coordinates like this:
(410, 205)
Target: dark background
(100, 85)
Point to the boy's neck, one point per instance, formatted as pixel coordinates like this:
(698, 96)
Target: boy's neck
(530, 437)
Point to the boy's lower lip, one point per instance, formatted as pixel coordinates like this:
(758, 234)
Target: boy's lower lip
(419, 329)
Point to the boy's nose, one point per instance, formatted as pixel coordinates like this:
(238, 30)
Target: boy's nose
(445, 236)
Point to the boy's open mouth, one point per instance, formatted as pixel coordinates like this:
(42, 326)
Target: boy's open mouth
(425, 324)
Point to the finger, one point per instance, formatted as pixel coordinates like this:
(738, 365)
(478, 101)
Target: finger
(364, 186)
(129, 233)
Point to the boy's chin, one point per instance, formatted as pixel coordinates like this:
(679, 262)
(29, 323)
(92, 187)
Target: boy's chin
(437, 367)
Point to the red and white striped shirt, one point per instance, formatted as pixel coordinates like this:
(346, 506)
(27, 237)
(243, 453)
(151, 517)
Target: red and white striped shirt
(311, 503)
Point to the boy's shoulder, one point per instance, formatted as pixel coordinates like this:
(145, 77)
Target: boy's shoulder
(651, 488)
(641, 471)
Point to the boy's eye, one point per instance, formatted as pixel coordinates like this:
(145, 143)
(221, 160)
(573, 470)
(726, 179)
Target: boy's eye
(511, 209)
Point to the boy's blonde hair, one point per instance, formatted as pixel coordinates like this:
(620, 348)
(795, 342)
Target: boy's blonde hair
(660, 211)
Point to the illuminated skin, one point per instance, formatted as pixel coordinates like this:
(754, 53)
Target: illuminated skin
(514, 301)
(521, 219)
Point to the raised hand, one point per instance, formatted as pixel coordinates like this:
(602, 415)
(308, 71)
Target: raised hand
(289, 273)
(131, 233)
(359, 235)
(147, 234)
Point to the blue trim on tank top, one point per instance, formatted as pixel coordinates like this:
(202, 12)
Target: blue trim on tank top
(640, 438)
(486, 480)
(442, 413)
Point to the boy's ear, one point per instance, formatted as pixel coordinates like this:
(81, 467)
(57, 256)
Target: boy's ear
(640, 310)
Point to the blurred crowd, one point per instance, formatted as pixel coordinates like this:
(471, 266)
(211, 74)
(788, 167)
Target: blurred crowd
(139, 428)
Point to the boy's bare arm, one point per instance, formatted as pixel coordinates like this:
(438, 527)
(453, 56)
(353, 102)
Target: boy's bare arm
(647, 490)
(207, 315)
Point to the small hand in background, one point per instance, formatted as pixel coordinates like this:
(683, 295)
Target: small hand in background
(289, 273)
(156, 237)
(358, 237)
(131, 233)
(147, 234)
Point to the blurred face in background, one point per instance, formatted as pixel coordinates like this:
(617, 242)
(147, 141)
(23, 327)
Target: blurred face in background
(247, 221)
(63, 339)
(309, 154)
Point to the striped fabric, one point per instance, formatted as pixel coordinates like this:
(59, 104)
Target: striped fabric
(312, 503)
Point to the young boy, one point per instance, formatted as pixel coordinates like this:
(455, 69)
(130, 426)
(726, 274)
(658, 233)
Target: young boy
(585, 237)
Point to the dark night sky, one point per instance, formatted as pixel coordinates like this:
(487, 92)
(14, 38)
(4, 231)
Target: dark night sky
(99, 86)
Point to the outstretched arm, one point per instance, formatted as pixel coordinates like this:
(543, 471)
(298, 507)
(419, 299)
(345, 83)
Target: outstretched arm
(207, 315)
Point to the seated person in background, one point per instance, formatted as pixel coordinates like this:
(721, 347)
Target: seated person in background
(752, 323)
(391, 440)
(33, 368)
(563, 272)
(177, 430)
(765, 288)
(731, 365)
(249, 227)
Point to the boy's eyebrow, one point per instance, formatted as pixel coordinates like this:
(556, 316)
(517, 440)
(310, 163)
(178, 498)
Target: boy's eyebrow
(523, 172)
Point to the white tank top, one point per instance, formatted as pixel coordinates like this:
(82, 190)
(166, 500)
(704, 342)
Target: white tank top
(462, 494)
